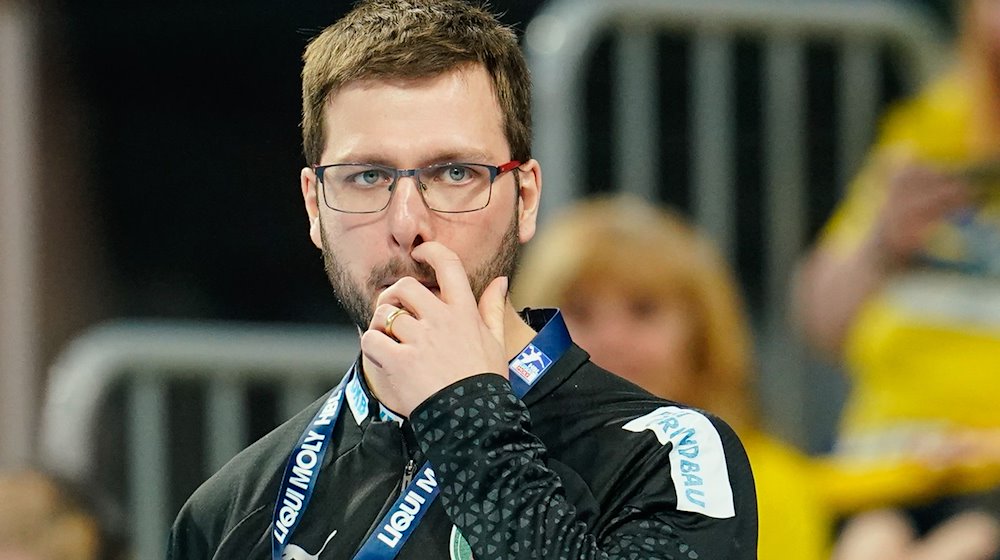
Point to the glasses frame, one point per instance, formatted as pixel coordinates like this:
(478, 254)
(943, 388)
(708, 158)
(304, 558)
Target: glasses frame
(494, 171)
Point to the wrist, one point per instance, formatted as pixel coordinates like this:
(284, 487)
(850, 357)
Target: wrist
(459, 394)
(881, 256)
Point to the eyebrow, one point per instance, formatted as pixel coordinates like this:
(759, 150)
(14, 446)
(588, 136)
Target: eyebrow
(466, 156)
(470, 156)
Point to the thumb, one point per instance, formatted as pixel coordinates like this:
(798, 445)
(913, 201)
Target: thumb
(492, 306)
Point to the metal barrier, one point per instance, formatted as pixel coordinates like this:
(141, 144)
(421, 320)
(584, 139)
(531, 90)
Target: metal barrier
(561, 42)
(143, 360)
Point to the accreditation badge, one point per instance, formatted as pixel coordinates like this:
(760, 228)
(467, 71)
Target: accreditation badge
(459, 547)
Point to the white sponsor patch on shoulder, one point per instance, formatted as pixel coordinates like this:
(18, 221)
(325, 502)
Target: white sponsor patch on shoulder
(697, 459)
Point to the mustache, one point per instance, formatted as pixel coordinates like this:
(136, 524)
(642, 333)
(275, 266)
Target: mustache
(396, 268)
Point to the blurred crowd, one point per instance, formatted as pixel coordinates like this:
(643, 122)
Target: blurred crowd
(902, 289)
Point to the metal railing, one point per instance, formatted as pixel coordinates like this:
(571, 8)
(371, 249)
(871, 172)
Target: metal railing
(143, 360)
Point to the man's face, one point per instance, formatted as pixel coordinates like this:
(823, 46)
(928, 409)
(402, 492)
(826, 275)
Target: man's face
(453, 117)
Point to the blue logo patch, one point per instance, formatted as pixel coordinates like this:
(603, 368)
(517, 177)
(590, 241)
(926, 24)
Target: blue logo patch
(530, 363)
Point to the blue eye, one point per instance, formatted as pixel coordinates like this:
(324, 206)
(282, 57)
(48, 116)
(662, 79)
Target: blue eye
(458, 173)
(369, 177)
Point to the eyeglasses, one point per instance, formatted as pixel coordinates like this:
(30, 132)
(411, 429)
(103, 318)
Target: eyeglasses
(365, 188)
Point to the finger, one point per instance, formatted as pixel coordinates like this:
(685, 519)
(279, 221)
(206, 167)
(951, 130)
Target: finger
(493, 305)
(963, 536)
(410, 294)
(908, 178)
(377, 347)
(929, 198)
(882, 534)
(945, 198)
(956, 194)
(393, 321)
(398, 324)
(452, 278)
(381, 315)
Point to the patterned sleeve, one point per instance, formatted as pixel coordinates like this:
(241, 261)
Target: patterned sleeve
(508, 504)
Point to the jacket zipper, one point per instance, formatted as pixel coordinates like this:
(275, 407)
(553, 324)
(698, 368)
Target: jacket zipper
(408, 471)
(411, 462)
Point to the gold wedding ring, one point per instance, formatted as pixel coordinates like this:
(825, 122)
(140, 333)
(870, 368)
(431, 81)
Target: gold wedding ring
(392, 317)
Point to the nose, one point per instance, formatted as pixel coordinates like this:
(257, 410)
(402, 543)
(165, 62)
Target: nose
(408, 215)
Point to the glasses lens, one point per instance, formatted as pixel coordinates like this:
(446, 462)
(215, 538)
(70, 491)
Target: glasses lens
(357, 188)
(456, 187)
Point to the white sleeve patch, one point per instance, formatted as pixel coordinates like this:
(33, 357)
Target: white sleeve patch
(697, 459)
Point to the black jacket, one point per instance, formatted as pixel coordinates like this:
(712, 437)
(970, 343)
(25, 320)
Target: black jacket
(587, 466)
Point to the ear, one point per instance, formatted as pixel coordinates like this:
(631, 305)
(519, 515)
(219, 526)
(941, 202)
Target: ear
(310, 196)
(528, 198)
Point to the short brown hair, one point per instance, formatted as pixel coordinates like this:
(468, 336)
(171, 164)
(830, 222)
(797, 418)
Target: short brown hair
(409, 39)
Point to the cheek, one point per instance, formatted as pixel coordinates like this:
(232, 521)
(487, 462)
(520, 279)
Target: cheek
(475, 241)
(663, 346)
(651, 351)
(663, 356)
(352, 245)
(678, 332)
(987, 23)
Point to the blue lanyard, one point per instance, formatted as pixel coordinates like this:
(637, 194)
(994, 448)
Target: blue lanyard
(306, 459)
(303, 468)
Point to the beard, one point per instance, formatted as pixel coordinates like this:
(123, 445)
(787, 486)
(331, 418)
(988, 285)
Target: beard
(358, 300)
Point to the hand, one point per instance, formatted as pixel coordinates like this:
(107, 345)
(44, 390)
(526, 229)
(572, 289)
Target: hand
(959, 448)
(442, 340)
(889, 535)
(919, 197)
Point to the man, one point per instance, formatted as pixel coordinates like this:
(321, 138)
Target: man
(465, 430)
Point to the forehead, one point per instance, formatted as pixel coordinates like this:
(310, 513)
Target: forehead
(410, 121)
(989, 9)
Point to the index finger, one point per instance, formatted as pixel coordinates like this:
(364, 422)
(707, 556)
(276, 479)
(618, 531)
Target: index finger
(452, 279)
